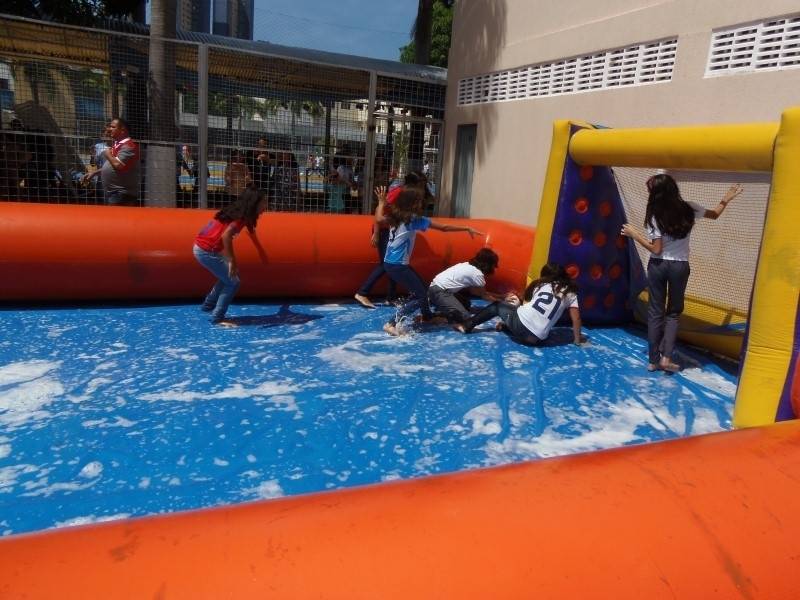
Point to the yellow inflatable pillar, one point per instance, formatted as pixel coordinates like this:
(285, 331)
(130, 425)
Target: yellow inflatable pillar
(763, 392)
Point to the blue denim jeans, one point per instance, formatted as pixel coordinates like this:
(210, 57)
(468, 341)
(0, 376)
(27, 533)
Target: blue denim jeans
(221, 295)
(408, 277)
(378, 271)
(117, 198)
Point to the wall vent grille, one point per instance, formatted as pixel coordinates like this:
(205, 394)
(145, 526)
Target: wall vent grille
(641, 64)
(768, 45)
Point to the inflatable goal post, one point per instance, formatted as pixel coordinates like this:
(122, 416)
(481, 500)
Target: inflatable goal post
(742, 299)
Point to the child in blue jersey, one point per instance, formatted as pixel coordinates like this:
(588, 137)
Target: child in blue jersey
(404, 223)
(545, 301)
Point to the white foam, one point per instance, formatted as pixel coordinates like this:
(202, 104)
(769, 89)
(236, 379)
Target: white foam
(712, 381)
(92, 469)
(49, 490)
(19, 372)
(181, 354)
(236, 391)
(88, 519)
(615, 430)
(486, 420)
(104, 423)
(353, 357)
(267, 489)
(31, 389)
(9, 475)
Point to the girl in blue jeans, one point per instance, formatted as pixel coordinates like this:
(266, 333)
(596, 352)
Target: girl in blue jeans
(213, 248)
(403, 227)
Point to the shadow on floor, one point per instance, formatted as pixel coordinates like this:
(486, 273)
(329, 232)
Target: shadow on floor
(284, 316)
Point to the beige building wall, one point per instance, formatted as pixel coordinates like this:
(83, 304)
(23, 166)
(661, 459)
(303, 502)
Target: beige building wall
(514, 136)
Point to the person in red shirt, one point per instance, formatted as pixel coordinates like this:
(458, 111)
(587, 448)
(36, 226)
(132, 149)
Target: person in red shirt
(213, 248)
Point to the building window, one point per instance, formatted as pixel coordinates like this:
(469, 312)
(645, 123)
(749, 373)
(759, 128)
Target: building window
(642, 64)
(768, 45)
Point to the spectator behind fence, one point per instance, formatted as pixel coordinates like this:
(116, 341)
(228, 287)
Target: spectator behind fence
(341, 182)
(237, 176)
(14, 156)
(36, 173)
(285, 182)
(98, 159)
(119, 173)
(261, 163)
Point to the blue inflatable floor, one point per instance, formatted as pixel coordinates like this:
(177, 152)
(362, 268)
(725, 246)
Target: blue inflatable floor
(110, 412)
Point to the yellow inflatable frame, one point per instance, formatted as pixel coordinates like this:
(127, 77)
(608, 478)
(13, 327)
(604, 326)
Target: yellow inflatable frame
(768, 147)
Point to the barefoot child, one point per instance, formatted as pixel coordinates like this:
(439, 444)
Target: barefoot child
(213, 248)
(380, 236)
(545, 301)
(451, 289)
(404, 223)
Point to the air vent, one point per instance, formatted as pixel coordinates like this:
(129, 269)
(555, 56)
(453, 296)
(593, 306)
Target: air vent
(769, 45)
(642, 64)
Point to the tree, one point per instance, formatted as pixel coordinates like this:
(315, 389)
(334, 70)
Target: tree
(160, 177)
(441, 22)
(432, 15)
(76, 12)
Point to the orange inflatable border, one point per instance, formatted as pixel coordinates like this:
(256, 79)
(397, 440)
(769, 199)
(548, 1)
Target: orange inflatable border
(713, 516)
(63, 252)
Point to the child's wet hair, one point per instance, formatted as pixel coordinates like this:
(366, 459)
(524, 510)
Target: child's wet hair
(486, 261)
(405, 206)
(244, 208)
(557, 276)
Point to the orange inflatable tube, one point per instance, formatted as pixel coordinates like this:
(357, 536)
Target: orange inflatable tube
(62, 252)
(713, 516)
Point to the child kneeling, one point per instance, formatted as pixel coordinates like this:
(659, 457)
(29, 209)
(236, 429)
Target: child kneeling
(451, 289)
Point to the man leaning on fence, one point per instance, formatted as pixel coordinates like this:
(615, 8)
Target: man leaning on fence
(120, 171)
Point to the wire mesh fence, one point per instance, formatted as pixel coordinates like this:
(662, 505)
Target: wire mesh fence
(204, 120)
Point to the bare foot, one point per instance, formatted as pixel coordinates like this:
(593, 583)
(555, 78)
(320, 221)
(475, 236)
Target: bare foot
(459, 327)
(652, 367)
(391, 329)
(669, 366)
(227, 324)
(364, 301)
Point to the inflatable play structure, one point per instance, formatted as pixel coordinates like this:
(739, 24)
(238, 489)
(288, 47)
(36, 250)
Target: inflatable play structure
(702, 517)
(583, 210)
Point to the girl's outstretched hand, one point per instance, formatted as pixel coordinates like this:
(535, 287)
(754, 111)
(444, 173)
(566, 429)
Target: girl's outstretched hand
(473, 232)
(380, 192)
(628, 230)
(732, 192)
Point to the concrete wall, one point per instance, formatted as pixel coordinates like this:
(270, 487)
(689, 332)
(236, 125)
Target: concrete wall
(514, 136)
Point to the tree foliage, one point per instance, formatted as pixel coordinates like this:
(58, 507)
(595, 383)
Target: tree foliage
(73, 12)
(440, 35)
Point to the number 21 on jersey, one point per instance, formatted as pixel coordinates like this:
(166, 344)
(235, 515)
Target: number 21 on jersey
(546, 303)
